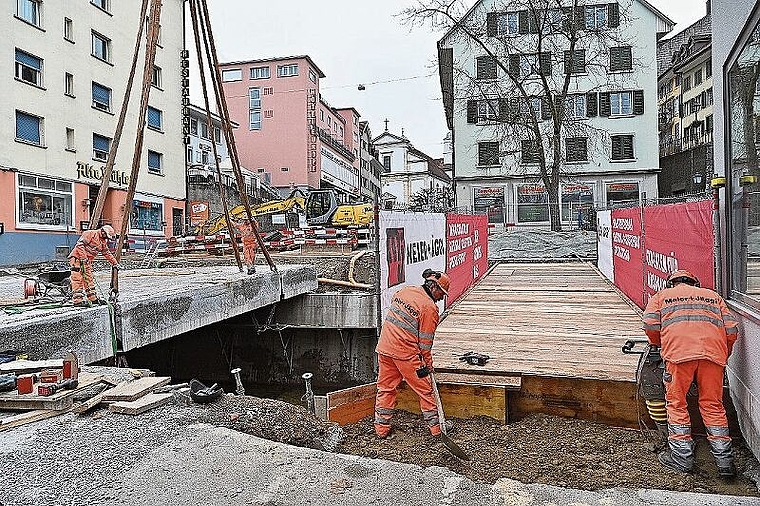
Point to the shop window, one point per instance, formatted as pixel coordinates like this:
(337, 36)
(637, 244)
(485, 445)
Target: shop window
(532, 203)
(622, 194)
(44, 203)
(742, 109)
(577, 198)
(147, 216)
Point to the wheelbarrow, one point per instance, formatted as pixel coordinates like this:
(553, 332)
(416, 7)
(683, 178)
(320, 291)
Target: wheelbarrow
(47, 284)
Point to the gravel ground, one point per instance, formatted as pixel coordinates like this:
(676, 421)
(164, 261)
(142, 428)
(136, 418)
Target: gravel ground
(527, 244)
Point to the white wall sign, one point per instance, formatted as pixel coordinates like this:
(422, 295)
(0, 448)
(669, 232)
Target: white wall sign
(604, 244)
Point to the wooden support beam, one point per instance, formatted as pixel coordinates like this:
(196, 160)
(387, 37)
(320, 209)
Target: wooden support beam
(141, 405)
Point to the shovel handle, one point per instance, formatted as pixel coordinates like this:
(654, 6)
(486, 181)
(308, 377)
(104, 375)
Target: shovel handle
(438, 403)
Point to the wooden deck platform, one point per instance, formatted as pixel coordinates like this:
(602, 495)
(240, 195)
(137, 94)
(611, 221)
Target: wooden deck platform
(553, 320)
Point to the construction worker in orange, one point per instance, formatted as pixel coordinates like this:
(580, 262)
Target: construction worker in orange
(404, 350)
(247, 232)
(696, 333)
(90, 243)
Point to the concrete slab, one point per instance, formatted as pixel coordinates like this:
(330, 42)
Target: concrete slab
(154, 304)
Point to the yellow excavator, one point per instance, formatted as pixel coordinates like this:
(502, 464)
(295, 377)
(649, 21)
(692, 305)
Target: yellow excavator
(320, 206)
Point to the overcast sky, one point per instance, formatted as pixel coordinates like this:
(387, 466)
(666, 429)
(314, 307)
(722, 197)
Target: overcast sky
(362, 42)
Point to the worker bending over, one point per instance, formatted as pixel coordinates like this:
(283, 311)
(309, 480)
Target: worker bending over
(696, 332)
(248, 231)
(404, 350)
(90, 243)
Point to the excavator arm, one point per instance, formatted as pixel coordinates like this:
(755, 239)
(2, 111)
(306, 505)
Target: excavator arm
(295, 200)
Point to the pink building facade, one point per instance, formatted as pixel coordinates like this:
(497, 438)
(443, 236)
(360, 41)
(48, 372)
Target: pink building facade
(288, 132)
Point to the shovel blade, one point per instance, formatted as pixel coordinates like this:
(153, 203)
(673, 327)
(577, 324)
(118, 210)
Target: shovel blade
(453, 447)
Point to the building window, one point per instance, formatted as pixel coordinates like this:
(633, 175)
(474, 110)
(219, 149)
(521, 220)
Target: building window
(101, 97)
(217, 135)
(193, 126)
(575, 62)
(104, 5)
(70, 145)
(30, 11)
(621, 104)
(530, 151)
(232, 75)
(287, 70)
(596, 16)
(155, 79)
(576, 149)
(189, 155)
(576, 198)
(508, 23)
(686, 83)
(254, 108)
(28, 68)
(101, 47)
(147, 216)
(259, 72)
(533, 106)
(698, 77)
(488, 110)
(100, 147)
(621, 59)
(488, 153)
(29, 128)
(622, 147)
(622, 193)
(68, 29)
(485, 67)
(387, 161)
(204, 131)
(68, 84)
(708, 68)
(44, 202)
(532, 203)
(312, 76)
(575, 106)
(155, 162)
(155, 118)
(204, 157)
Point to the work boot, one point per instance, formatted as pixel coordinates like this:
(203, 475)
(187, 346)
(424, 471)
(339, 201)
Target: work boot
(449, 426)
(83, 303)
(252, 269)
(666, 459)
(727, 472)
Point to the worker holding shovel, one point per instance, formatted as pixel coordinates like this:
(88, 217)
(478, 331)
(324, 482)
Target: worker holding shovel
(90, 244)
(404, 350)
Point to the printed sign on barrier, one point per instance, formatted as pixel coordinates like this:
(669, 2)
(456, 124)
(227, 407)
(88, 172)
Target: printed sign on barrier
(466, 252)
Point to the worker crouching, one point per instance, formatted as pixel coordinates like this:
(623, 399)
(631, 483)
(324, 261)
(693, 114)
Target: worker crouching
(404, 350)
(89, 245)
(696, 332)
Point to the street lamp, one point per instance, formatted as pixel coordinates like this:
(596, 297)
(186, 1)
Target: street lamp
(697, 178)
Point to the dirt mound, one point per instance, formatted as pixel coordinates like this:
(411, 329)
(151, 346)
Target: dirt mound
(546, 449)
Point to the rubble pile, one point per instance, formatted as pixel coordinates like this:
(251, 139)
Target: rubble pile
(529, 244)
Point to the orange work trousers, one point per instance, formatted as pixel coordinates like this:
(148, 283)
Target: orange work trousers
(249, 250)
(391, 372)
(709, 378)
(82, 281)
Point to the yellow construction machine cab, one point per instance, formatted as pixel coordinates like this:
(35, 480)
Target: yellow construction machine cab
(322, 209)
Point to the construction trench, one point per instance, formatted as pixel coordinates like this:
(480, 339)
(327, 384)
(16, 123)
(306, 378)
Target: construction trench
(551, 405)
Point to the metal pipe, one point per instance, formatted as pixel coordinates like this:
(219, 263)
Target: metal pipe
(309, 395)
(352, 264)
(343, 283)
(239, 389)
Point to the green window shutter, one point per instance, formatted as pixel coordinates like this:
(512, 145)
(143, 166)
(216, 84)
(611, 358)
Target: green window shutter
(592, 108)
(567, 14)
(514, 108)
(604, 104)
(579, 61)
(524, 22)
(472, 111)
(532, 22)
(638, 102)
(514, 64)
(613, 15)
(492, 20)
(546, 107)
(485, 67)
(568, 62)
(627, 147)
(614, 59)
(546, 63)
(580, 18)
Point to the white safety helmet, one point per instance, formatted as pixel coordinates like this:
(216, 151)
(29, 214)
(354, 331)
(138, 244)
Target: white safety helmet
(110, 232)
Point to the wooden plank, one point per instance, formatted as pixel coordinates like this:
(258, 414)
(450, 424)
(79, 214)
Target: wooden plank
(461, 401)
(89, 404)
(132, 390)
(466, 378)
(59, 401)
(141, 405)
(352, 412)
(28, 417)
(29, 366)
(351, 395)
(609, 402)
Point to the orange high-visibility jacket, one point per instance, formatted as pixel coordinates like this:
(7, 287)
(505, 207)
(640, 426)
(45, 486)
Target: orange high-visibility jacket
(409, 327)
(690, 323)
(90, 243)
(245, 228)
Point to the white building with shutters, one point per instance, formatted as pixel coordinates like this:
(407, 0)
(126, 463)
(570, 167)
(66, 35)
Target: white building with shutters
(611, 94)
(66, 67)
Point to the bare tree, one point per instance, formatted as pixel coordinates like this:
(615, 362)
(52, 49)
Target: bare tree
(433, 200)
(523, 87)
